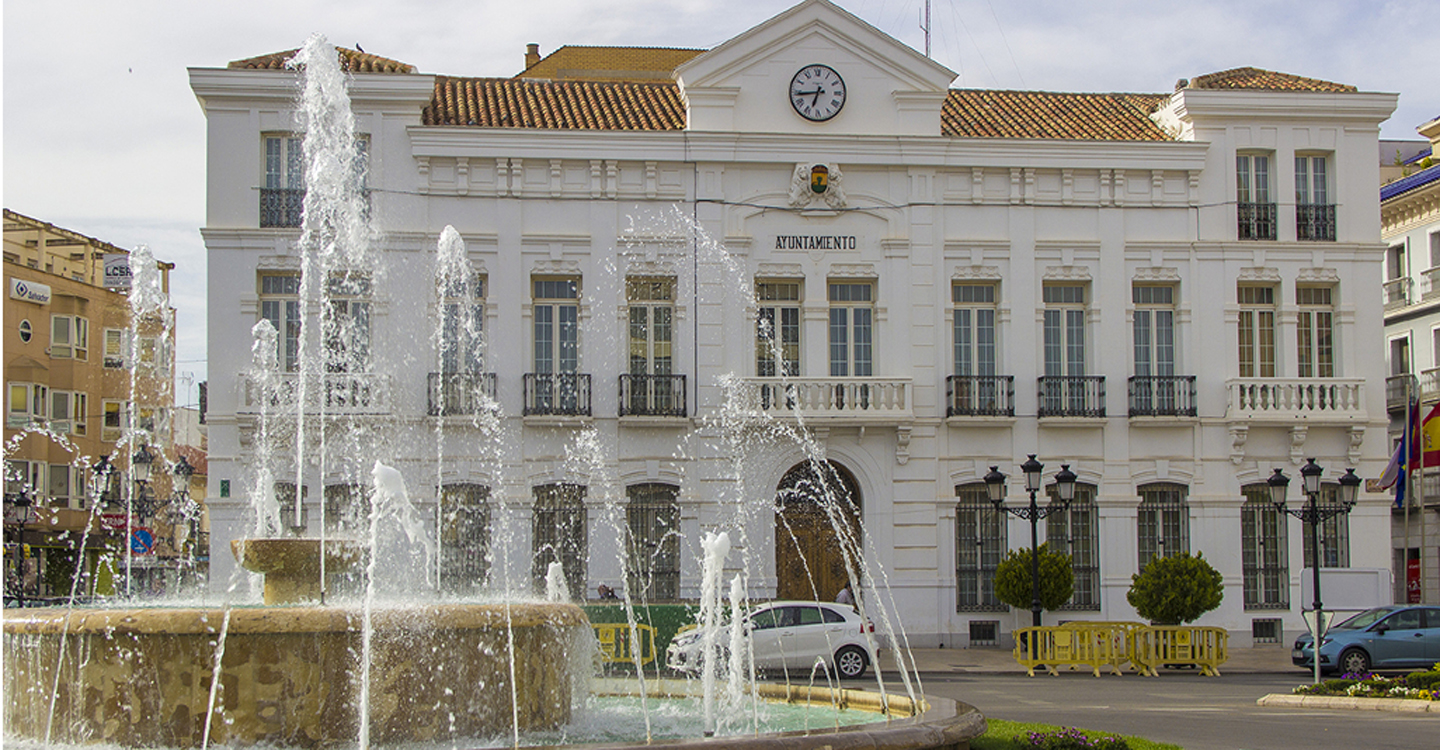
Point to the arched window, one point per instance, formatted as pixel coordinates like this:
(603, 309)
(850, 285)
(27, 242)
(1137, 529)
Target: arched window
(980, 543)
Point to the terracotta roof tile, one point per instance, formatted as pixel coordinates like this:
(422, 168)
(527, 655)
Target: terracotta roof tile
(610, 63)
(976, 113)
(1266, 80)
(350, 60)
(555, 105)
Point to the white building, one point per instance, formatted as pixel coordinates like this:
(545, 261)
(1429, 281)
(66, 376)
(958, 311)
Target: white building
(1410, 228)
(1117, 282)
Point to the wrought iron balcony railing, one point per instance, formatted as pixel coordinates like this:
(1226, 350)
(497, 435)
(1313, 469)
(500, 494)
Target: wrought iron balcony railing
(1315, 222)
(1162, 396)
(835, 399)
(451, 393)
(980, 396)
(1296, 399)
(652, 396)
(281, 207)
(1072, 396)
(557, 394)
(1256, 221)
(1400, 390)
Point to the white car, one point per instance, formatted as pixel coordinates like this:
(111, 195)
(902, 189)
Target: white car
(790, 636)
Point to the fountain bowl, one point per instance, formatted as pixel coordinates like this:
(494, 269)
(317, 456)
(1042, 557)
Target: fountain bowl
(291, 565)
(289, 676)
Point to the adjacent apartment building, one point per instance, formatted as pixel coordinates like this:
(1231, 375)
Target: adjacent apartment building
(83, 384)
(1173, 293)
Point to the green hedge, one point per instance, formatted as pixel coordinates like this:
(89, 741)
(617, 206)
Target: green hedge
(1423, 680)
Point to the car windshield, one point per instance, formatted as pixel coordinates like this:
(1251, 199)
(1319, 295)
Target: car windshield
(1364, 619)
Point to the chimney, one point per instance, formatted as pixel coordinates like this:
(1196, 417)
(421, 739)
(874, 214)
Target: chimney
(532, 55)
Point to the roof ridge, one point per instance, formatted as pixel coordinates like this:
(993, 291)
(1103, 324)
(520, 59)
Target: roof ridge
(1251, 77)
(353, 61)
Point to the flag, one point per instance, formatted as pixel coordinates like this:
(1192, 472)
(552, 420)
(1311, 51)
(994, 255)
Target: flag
(1427, 442)
(1395, 468)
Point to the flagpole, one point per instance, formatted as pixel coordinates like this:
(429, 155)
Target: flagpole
(1412, 410)
(1420, 504)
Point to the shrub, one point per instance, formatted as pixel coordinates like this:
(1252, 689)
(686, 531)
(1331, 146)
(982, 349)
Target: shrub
(1072, 739)
(1423, 680)
(1176, 590)
(1012, 579)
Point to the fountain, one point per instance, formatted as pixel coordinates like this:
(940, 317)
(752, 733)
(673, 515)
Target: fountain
(323, 663)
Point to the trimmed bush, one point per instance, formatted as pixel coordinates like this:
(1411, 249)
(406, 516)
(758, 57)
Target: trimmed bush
(1012, 579)
(1423, 680)
(1176, 590)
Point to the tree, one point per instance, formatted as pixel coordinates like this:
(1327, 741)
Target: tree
(1176, 590)
(1012, 579)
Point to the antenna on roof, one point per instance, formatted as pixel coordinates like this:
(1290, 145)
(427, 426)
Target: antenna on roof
(925, 27)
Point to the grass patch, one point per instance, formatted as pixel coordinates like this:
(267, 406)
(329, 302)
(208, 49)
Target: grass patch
(1009, 735)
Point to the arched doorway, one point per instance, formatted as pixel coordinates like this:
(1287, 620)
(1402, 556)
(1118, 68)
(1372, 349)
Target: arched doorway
(809, 556)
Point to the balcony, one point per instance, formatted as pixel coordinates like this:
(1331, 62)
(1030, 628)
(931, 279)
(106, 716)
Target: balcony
(1072, 396)
(652, 396)
(1162, 396)
(1397, 293)
(1312, 400)
(980, 396)
(565, 394)
(835, 400)
(1430, 289)
(456, 393)
(281, 207)
(1256, 221)
(1315, 223)
(1430, 384)
(1400, 390)
(339, 394)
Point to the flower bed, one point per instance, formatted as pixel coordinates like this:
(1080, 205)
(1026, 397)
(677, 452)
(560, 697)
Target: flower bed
(1423, 686)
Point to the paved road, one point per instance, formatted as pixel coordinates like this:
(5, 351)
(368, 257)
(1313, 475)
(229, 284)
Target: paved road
(1196, 713)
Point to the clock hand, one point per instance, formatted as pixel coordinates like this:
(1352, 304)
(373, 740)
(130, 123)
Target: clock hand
(817, 92)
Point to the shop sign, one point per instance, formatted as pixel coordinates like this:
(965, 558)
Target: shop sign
(29, 291)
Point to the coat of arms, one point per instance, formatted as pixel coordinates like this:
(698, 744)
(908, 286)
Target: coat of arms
(816, 182)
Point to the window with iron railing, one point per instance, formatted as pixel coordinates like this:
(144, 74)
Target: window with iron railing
(1314, 209)
(1264, 551)
(652, 514)
(282, 191)
(1076, 531)
(464, 537)
(1163, 522)
(980, 544)
(1334, 532)
(650, 386)
(1255, 208)
(558, 534)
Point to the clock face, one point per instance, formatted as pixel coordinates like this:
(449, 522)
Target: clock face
(817, 93)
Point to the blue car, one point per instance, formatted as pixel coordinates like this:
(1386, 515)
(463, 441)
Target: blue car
(1383, 638)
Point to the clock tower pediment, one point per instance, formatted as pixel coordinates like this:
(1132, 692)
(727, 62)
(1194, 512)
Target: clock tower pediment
(814, 69)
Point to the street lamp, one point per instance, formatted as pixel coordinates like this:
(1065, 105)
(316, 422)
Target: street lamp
(20, 510)
(140, 465)
(103, 470)
(1313, 513)
(1065, 488)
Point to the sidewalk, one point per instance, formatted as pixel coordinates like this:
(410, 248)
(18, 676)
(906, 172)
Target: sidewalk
(1267, 658)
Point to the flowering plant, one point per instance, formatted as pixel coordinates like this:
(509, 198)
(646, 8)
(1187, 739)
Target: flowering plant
(1074, 739)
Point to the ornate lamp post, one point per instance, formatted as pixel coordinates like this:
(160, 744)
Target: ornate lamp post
(1313, 513)
(1065, 486)
(102, 471)
(20, 511)
(140, 465)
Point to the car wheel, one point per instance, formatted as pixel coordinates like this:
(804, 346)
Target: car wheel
(850, 662)
(1354, 661)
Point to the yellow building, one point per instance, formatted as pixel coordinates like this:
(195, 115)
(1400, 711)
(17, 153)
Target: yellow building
(83, 386)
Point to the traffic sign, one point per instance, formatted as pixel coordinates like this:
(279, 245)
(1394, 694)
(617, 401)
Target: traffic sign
(112, 521)
(142, 542)
(1326, 619)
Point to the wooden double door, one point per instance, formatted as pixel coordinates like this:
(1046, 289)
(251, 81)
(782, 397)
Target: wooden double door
(817, 525)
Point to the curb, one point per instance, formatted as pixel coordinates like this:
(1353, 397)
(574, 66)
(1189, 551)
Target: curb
(1393, 705)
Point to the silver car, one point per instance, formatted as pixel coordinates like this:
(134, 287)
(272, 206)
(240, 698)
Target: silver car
(791, 637)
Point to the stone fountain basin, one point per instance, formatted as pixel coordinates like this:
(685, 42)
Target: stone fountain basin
(291, 565)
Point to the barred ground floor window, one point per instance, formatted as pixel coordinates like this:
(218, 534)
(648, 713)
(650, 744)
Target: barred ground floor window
(1264, 559)
(464, 537)
(558, 529)
(980, 543)
(1076, 531)
(652, 514)
(1162, 522)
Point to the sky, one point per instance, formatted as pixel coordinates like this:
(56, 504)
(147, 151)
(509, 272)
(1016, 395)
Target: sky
(103, 136)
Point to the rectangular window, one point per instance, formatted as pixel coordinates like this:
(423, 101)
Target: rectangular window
(282, 198)
(464, 537)
(117, 348)
(1076, 532)
(1163, 522)
(117, 420)
(280, 304)
(1435, 249)
(557, 316)
(558, 534)
(777, 330)
(1314, 208)
(60, 408)
(69, 337)
(974, 332)
(347, 323)
(1334, 533)
(22, 476)
(1263, 551)
(1257, 331)
(1064, 329)
(462, 348)
(1253, 201)
(1315, 332)
(653, 517)
(980, 543)
(1400, 356)
(852, 314)
(1154, 330)
(651, 304)
(29, 404)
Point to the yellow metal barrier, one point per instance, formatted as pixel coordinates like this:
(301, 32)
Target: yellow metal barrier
(615, 642)
(1156, 646)
(1091, 644)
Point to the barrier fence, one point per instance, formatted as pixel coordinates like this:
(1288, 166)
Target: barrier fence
(1111, 645)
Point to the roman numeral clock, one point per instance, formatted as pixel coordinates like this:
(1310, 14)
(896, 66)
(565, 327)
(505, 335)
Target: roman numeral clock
(817, 92)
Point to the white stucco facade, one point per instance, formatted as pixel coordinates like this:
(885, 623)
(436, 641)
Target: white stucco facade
(927, 213)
